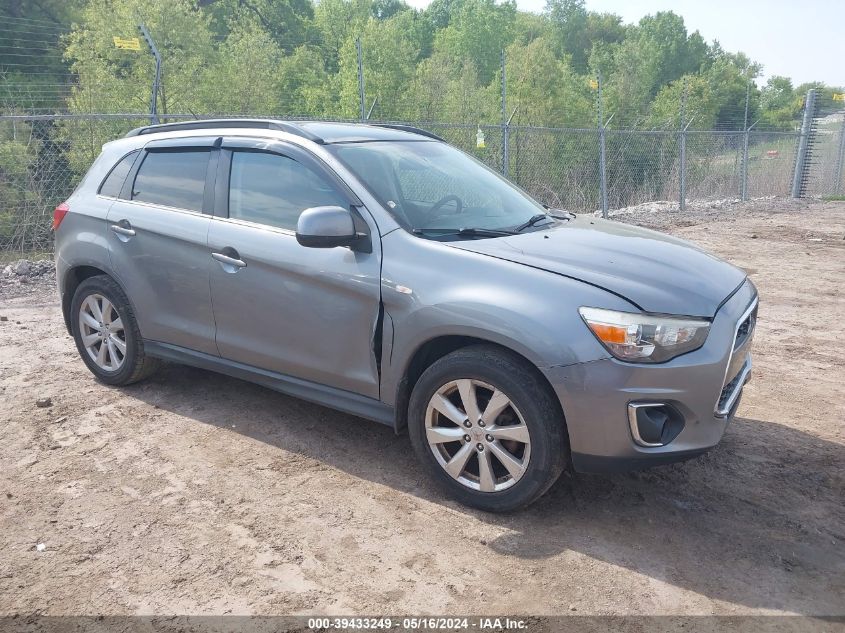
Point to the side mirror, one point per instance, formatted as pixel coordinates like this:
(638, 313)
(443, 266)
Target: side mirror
(326, 227)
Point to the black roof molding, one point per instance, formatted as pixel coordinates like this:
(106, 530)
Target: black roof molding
(205, 124)
(409, 128)
(291, 127)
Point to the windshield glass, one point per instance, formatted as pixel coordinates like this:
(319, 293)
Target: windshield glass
(430, 186)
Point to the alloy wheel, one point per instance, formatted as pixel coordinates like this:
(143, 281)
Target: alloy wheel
(477, 435)
(102, 333)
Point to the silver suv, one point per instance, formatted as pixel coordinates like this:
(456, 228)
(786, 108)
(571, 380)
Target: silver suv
(382, 272)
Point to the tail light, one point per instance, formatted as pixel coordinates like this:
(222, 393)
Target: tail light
(59, 214)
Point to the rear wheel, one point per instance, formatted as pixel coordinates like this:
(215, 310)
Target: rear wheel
(106, 333)
(487, 428)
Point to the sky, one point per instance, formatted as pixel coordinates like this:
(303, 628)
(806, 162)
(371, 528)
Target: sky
(800, 39)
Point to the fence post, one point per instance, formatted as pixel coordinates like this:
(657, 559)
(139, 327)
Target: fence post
(682, 151)
(602, 149)
(745, 160)
(361, 79)
(743, 188)
(157, 79)
(505, 123)
(840, 159)
(801, 155)
(744, 185)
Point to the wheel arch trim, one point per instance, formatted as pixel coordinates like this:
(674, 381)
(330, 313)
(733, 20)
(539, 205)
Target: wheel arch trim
(70, 280)
(436, 346)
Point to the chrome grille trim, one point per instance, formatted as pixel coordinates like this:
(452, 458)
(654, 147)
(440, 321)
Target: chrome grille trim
(723, 410)
(727, 400)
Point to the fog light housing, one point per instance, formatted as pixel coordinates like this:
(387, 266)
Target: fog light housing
(654, 424)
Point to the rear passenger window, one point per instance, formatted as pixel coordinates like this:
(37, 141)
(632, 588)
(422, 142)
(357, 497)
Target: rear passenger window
(274, 190)
(173, 179)
(114, 181)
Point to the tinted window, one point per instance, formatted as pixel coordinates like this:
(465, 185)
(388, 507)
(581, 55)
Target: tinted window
(114, 181)
(275, 190)
(174, 179)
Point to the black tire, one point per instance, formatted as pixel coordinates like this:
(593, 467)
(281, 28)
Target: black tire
(136, 364)
(522, 383)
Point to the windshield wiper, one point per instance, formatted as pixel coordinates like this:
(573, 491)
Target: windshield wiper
(532, 221)
(469, 231)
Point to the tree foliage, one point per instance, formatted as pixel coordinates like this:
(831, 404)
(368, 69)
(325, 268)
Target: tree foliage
(299, 58)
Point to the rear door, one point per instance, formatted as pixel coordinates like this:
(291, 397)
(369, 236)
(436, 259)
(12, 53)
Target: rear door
(158, 231)
(304, 312)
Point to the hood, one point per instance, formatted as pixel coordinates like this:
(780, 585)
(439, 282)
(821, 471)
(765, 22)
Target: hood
(656, 272)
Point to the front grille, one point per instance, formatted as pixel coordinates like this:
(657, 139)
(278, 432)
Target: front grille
(745, 329)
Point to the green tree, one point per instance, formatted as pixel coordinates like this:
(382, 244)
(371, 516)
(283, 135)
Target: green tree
(247, 64)
(390, 54)
(479, 31)
(115, 80)
(440, 12)
(337, 21)
(569, 24)
(32, 70)
(288, 22)
(730, 78)
(576, 31)
(384, 9)
(604, 27)
(448, 89)
(528, 27)
(780, 106)
(543, 89)
(674, 52)
(702, 106)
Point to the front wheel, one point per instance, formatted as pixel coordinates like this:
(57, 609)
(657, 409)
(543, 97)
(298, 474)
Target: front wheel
(487, 428)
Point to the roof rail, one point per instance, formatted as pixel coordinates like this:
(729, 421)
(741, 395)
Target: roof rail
(411, 129)
(205, 124)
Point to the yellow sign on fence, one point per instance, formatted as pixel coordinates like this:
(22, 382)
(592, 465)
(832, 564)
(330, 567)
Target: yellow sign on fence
(594, 84)
(839, 96)
(127, 43)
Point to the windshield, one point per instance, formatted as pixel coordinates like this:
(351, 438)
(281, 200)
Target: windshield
(431, 187)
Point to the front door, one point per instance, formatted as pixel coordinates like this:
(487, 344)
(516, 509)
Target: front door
(304, 312)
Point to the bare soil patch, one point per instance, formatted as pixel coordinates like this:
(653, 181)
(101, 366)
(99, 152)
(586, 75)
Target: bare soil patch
(193, 493)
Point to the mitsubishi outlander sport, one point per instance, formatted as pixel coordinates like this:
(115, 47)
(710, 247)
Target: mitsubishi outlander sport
(382, 272)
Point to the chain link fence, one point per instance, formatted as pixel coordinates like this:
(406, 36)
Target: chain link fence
(637, 158)
(826, 157)
(42, 159)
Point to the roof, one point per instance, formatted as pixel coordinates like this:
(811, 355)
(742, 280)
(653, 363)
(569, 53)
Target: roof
(322, 132)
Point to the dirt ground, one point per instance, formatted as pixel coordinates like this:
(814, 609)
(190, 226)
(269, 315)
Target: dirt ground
(193, 493)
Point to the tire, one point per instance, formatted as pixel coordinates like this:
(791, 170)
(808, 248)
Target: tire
(117, 367)
(493, 375)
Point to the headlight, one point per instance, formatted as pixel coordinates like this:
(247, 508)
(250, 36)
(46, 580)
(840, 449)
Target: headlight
(645, 338)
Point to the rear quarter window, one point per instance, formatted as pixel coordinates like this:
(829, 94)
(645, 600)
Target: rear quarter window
(113, 183)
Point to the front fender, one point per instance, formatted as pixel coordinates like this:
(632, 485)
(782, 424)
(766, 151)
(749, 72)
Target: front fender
(430, 290)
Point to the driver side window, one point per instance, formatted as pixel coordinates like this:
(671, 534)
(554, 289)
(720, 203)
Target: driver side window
(274, 190)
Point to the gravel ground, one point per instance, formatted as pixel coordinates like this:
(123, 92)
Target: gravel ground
(193, 493)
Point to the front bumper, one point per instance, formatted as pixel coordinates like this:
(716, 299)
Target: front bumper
(704, 387)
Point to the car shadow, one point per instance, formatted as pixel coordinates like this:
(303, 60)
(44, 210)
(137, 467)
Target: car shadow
(767, 503)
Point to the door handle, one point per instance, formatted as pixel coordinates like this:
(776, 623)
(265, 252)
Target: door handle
(124, 229)
(228, 260)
